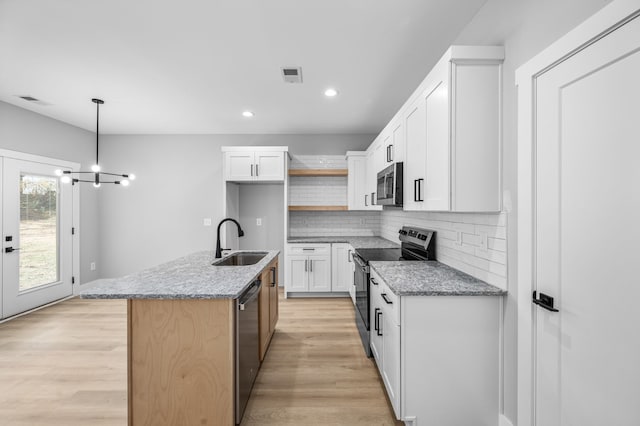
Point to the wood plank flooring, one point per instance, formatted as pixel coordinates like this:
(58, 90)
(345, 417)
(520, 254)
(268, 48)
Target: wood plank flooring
(67, 365)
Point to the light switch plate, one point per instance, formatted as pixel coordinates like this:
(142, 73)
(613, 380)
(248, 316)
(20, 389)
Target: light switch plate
(207, 221)
(259, 221)
(92, 266)
(484, 241)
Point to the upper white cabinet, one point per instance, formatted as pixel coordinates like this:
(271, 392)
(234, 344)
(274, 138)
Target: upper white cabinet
(375, 163)
(393, 143)
(254, 163)
(356, 180)
(450, 130)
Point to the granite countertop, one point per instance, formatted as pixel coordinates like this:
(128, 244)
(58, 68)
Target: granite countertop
(189, 277)
(431, 278)
(356, 242)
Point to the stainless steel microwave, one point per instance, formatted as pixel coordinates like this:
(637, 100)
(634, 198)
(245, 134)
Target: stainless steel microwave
(390, 185)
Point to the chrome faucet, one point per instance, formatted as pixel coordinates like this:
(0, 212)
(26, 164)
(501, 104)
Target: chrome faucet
(240, 234)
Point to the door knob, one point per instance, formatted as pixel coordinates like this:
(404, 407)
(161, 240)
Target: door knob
(10, 249)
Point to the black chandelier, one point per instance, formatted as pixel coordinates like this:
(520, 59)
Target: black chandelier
(67, 175)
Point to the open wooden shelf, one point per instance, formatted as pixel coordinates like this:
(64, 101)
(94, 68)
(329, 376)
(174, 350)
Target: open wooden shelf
(317, 208)
(318, 172)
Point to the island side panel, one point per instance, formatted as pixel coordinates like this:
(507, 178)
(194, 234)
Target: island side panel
(181, 362)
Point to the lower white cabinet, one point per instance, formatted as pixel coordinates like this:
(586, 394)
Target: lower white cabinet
(438, 356)
(319, 268)
(385, 337)
(341, 267)
(308, 268)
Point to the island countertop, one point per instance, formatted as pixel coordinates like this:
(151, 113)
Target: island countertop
(431, 278)
(189, 277)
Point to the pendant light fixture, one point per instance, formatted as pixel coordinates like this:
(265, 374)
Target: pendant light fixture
(67, 175)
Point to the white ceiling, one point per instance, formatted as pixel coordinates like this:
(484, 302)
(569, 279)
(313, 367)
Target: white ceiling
(193, 66)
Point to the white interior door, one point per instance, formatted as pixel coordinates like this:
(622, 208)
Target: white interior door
(36, 235)
(587, 204)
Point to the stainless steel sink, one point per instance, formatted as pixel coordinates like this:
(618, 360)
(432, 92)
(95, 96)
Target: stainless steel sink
(241, 259)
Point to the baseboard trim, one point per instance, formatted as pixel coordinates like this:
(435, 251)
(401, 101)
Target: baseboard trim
(299, 294)
(503, 421)
(21, 314)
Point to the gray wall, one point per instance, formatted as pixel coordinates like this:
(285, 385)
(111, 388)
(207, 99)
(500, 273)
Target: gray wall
(25, 131)
(160, 216)
(264, 201)
(525, 28)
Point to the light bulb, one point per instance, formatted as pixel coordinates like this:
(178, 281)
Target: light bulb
(58, 172)
(124, 182)
(95, 168)
(65, 179)
(132, 177)
(96, 185)
(330, 92)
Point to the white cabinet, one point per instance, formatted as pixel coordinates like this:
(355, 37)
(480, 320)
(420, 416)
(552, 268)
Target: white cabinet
(450, 129)
(308, 268)
(436, 354)
(356, 180)
(375, 163)
(393, 143)
(385, 337)
(254, 164)
(342, 267)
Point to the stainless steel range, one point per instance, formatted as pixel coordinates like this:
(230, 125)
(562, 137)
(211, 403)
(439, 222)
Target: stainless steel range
(416, 244)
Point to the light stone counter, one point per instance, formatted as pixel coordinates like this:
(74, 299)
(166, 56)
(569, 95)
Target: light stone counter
(189, 277)
(431, 278)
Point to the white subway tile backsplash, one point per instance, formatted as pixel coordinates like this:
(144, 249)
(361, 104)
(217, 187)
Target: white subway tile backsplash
(340, 223)
(488, 264)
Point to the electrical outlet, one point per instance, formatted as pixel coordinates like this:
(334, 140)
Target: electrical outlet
(483, 241)
(259, 221)
(207, 221)
(459, 238)
(93, 266)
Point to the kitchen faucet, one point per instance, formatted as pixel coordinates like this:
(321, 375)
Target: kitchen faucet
(240, 234)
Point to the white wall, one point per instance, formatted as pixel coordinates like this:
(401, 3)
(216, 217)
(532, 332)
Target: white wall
(160, 216)
(25, 131)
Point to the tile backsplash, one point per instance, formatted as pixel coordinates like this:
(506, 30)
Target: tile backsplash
(318, 191)
(339, 223)
(468, 253)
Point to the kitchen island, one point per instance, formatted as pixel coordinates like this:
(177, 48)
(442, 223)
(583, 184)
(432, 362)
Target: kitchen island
(181, 327)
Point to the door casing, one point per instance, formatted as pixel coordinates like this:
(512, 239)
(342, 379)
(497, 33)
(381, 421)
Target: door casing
(75, 211)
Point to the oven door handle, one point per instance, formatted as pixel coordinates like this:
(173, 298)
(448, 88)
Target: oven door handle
(359, 261)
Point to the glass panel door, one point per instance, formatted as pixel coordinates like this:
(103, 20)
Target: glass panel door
(38, 231)
(37, 243)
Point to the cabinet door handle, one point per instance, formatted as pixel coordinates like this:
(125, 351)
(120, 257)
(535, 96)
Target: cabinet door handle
(252, 170)
(419, 195)
(379, 314)
(257, 174)
(308, 249)
(365, 200)
(310, 265)
(384, 296)
(389, 153)
(415, 190)
(273, 276)
(373, 281)
(305, 265)
(375, 320)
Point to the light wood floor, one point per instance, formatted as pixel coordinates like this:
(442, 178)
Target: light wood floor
(66, 365)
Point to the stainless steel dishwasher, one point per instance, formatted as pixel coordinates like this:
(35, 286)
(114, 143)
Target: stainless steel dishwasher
(247, 346)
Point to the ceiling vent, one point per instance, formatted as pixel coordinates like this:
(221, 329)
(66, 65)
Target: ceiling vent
(34, 100)
(292, 74)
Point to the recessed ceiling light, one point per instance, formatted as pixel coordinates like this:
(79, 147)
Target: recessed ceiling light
(247, 114)
(330, 93)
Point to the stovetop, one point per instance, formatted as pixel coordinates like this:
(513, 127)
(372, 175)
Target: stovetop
(386, 255)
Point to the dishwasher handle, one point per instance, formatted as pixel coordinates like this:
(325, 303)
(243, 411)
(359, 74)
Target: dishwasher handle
(249, 295)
